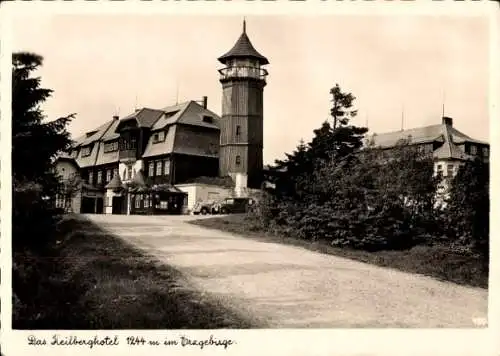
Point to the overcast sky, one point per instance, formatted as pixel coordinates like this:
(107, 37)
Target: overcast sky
(98, 65)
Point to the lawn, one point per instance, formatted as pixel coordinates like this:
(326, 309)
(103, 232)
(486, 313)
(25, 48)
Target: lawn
(434, 261)
(93, 280)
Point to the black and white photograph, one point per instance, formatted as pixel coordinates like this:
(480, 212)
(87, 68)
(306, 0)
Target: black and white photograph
(244, 172)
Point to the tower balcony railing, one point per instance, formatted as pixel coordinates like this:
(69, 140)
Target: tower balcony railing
(242, 72)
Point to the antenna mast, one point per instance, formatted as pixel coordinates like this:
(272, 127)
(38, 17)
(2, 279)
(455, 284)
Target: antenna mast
(402, 118)
(444, 98)
(177, 93)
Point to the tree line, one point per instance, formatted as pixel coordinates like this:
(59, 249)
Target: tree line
(340, 189)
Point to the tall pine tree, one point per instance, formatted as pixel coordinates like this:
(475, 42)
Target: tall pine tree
(35, 143)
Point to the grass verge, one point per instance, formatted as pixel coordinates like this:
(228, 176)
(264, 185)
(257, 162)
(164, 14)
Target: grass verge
(434, 261)
(93, 280)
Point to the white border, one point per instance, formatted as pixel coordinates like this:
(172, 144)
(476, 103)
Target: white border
(283, 342)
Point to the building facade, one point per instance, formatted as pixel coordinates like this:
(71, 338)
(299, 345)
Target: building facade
(145, 162)
(449, 147)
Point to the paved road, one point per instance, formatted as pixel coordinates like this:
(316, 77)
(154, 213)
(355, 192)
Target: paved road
(289, 287)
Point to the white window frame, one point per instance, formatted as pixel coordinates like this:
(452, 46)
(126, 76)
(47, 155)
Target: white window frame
(158, 168)
(166, 167)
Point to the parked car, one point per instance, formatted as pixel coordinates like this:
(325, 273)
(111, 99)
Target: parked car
(203, 208)
(233, 206)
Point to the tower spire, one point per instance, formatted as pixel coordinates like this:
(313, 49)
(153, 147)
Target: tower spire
(244, 25)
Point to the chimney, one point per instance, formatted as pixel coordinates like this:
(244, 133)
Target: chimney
(205, 100)
(115, 117)
(447, 121)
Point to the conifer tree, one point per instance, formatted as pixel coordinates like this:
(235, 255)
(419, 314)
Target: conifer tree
(35, 144)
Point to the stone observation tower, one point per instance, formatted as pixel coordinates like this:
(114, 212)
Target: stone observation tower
(241, 127)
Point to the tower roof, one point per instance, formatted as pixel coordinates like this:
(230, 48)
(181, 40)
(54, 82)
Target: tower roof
(115, 183)
(243, 49)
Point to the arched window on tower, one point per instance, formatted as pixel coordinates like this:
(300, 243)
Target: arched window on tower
(238, 160)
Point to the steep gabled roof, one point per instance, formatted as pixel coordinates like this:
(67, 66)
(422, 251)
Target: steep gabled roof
(194, 114)
(111, 134)
(145, 117)
(443, 133)
(115, 182)
(243, 48)
(139, 179)
(459, 137)
(95, 136)
(170, 115)
(449, 149)
(424, 134)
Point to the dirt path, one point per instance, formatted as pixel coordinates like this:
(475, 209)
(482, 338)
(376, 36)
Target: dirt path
(289, 287)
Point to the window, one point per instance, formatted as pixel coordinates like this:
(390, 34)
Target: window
(111, 146)
(115, 172)
(99, 177)
(128, 145)
(473, 150)
(166, 167)
(439, 169)
(151, 171)
(238, 160)
(449, 172)
(159, 137)
(133, 142)
(158, 168)
(124, 173)
(91, 177)
(238, 130)
(137, 201)
(129, 172)
(171, 113)
(86, 151)
(146, 201)
(108, 175)
(486, 151)
(208, 119)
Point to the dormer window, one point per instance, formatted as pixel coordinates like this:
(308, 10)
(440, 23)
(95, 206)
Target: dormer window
(86, 151)
(159, 137)
(171, 113)
(208, 119)
(473, 150)
(111, 146)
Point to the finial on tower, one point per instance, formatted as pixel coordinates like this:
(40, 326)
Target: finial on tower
(244, 25)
